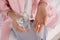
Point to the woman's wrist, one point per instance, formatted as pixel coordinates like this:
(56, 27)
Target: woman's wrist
(42, 4)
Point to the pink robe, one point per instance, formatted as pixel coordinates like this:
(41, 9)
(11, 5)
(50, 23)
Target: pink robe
(18, 7)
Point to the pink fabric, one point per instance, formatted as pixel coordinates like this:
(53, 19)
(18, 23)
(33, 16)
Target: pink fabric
(52, 17)
(5, 26)
(5, 31)
(18, 7)
(47, 1)
(34, 7)
(3, 6)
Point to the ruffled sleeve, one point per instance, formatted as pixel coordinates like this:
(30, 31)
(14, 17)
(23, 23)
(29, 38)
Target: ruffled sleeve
(4, 9)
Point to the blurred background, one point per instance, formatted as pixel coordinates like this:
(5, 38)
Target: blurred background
(53, 34)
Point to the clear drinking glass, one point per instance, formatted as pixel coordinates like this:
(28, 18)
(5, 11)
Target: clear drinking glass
(42, 35)
(24, 23)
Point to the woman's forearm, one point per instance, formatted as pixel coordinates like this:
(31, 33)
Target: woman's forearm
(40, 16)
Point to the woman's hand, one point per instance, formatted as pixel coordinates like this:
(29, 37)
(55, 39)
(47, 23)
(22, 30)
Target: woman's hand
(14, 18)
(17, 27)
(40, 17)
